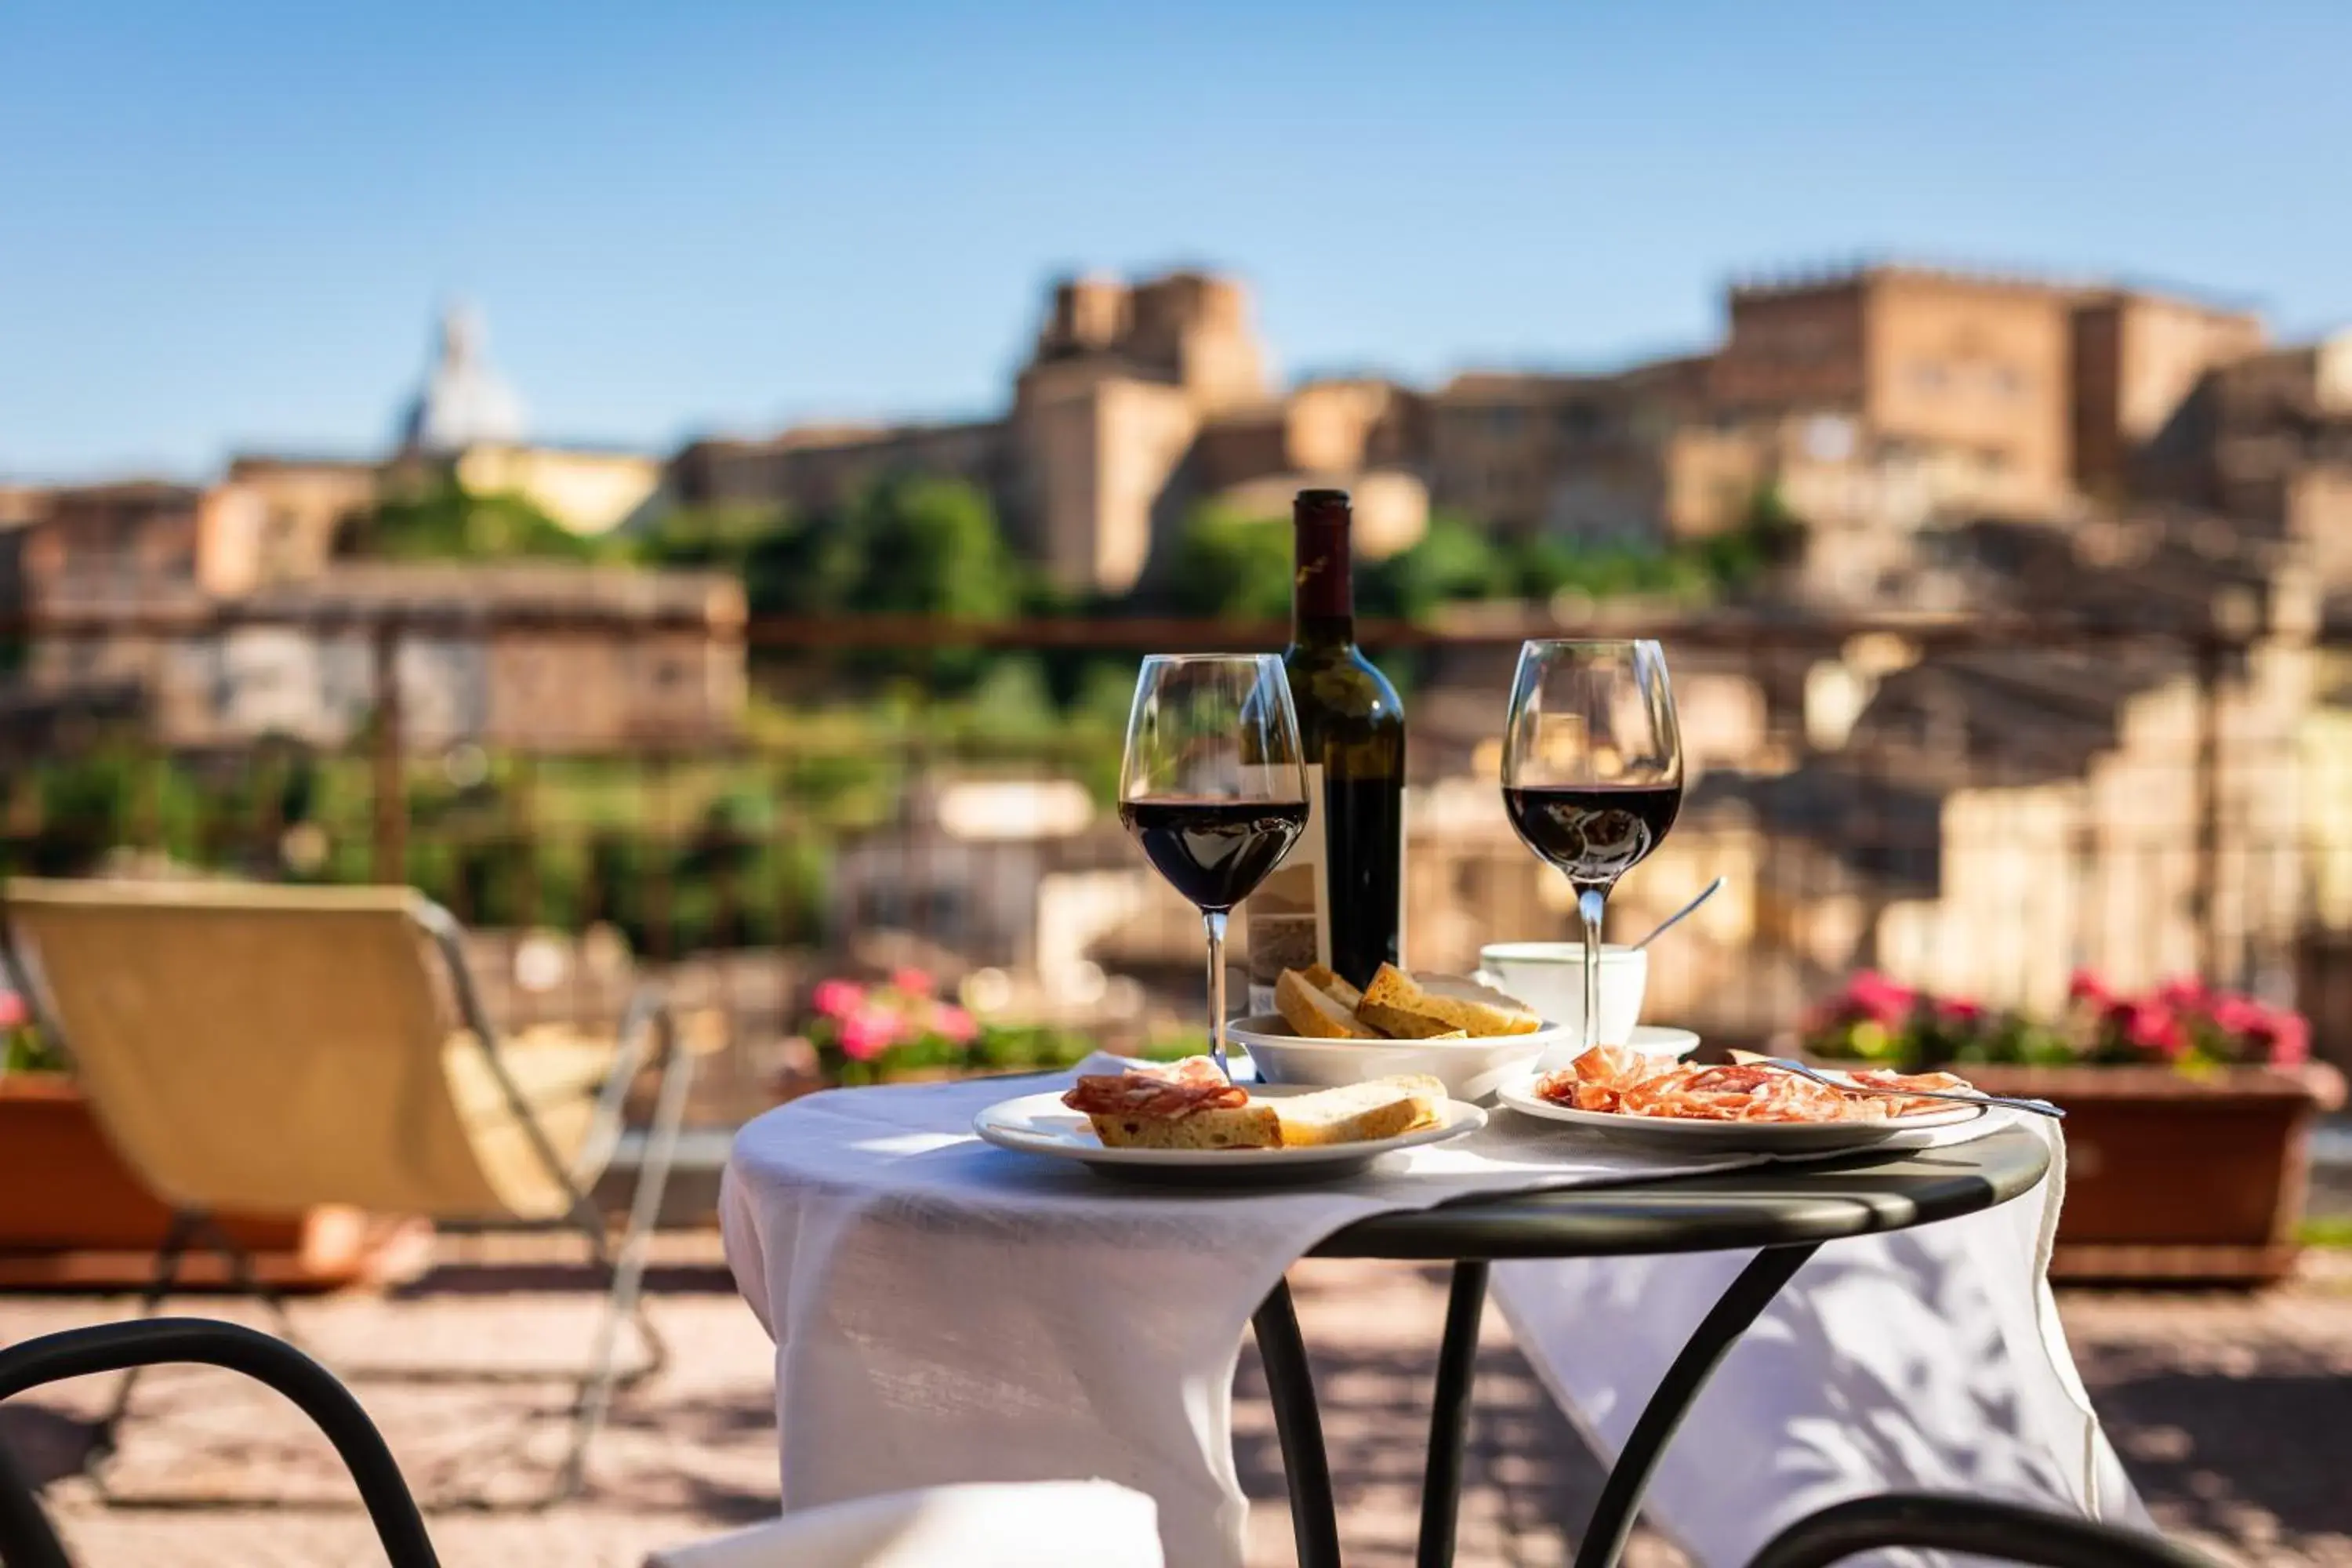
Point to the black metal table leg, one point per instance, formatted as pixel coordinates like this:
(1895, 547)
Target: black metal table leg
(1298, 1425)
(1449, 1414)
(1739, 1306)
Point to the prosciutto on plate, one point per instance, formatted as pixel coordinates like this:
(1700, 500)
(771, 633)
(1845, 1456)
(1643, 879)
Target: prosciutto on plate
(1612, 1078)
(1180, 1090)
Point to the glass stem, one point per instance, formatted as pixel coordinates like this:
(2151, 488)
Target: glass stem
(1591, 903)
(1214, 919)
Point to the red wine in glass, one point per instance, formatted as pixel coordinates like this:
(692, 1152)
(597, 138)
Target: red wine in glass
(1593, 832)
(1212, 787)
(1592, 771)
(1215, 852)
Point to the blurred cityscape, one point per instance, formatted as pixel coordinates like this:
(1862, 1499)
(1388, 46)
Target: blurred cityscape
(2008, 615)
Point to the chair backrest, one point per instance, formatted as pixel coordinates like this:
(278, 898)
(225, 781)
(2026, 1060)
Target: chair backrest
(255, 1048)
(27, 1538)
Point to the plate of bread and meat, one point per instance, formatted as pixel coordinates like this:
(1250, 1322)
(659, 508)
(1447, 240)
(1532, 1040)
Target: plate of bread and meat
(1184, 1122)
(1469, 1036)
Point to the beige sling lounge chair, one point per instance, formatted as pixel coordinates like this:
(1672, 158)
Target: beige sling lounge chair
(269, 1049)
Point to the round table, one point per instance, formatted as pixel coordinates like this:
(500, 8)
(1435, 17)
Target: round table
(1786, 1210)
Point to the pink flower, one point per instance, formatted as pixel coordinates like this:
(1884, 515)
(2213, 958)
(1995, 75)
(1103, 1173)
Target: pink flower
(2185, 994)
(2085, 986)
(2290, 1040)
(953, 1022)
(912, 981)
(2239, 1016)
(13, 1014)
(1957, 1010)
(2282, 1037)
(837, 999)
(1877, 998)
(867, 1033)
(2152, 1026)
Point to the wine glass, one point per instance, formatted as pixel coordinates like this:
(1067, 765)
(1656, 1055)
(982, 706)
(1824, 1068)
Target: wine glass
(1213, 786)
(1592, 772)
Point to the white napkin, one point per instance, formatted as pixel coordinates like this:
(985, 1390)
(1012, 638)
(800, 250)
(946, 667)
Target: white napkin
(945, 1312)
(1045, 1524)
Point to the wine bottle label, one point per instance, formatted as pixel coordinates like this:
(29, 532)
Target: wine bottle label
(1286, 923)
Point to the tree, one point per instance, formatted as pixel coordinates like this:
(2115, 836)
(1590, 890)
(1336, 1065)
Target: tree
(713, 538)
(804, 566)
(1230, 566)
(932, 547)
(1453, 560)
(446, 522)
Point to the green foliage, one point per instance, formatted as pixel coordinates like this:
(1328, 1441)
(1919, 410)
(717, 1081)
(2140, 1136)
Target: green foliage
(932, 547)
(22, 1049)
(2326, 1230)
(1452, 561)
(1772, 526)
(1229, 566)
(446, 522)
(909, 545)
(717, 539)
(113, 796)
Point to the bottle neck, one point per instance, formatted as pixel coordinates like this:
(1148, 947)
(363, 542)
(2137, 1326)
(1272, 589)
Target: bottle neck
(1323, 593)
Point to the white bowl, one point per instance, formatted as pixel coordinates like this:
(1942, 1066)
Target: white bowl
(1549, 976)
(1470, 1070)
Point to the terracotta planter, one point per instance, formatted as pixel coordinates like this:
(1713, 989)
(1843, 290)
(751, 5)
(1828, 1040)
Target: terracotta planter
(2177, 1178)
(72, 1214)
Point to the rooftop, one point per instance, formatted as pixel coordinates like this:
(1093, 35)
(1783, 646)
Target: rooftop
(1826, 276)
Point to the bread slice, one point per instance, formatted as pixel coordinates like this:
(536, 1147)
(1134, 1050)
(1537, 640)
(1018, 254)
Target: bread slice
(1399, 1024)
(1360, 1112)
(1252, 1126)
(1314, 1013)
(1331, 986)
(1475, 1009)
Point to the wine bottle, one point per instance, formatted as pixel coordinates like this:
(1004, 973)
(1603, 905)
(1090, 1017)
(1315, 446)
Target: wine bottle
(1338, 900)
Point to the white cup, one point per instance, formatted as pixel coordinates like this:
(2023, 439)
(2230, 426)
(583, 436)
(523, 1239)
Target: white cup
(1549, 977)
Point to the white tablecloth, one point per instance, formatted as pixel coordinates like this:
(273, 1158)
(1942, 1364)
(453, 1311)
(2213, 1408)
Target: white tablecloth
(945, 1312)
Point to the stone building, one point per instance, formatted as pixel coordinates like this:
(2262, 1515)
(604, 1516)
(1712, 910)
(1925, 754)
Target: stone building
(546, 658)
(1921, 358)
(192, 608)
(1879, 401)
(2137, 356)
(2267, 440)
(309, 507)
(1599, 457)
(1138, 403)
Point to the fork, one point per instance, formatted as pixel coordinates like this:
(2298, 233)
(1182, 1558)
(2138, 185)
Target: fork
(1847, 1086)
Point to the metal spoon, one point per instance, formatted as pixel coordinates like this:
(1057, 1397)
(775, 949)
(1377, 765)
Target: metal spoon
(1846, 1085)
(1709, 891)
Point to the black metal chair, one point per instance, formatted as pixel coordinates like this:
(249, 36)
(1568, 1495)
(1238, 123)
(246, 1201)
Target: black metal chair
(1123, 1530)
(28, 1541)
(2007, 1532)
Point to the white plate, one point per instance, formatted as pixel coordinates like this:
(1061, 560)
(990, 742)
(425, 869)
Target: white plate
(1690, 1134)
(1042, 1124)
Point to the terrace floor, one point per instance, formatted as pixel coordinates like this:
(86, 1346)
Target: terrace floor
(2234, 1412)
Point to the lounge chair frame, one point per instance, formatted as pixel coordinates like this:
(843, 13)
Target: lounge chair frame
(648, 1033)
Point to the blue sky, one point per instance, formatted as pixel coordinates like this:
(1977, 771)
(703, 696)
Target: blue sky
(227, 226)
